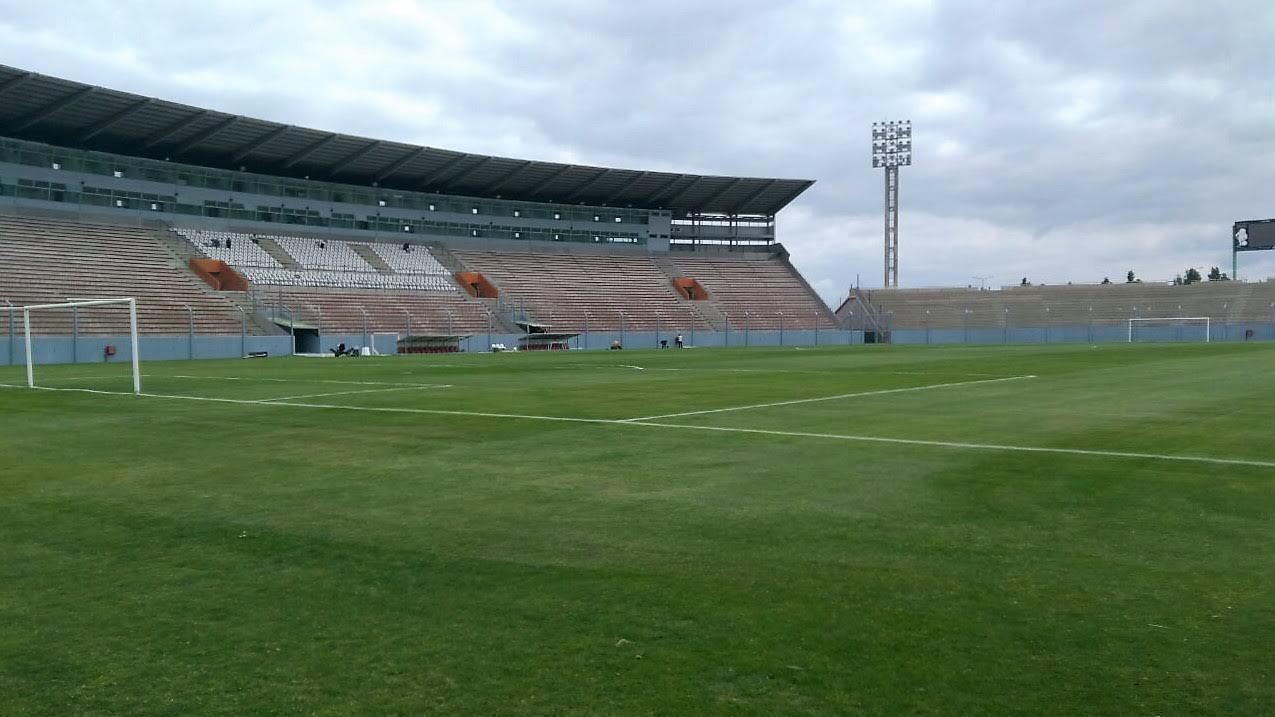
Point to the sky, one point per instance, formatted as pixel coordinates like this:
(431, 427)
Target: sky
(1056, 141)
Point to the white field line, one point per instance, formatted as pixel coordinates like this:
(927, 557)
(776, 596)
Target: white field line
(359, 391)
(293, 380)
(123, 376)
(860, 394)
(751, 370)
(959, 445)
(857, 369)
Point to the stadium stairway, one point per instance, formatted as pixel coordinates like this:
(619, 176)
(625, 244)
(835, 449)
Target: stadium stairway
(705, 307)
(371, 257)
(857, 313)
(184, 251)
(341, 307)
(571, 290)
(763, 292)
(505, 316)
(276, 252)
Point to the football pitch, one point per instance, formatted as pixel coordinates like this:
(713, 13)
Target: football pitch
(825, 531)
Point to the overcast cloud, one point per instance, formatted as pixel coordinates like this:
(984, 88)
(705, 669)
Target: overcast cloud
(1061, 141)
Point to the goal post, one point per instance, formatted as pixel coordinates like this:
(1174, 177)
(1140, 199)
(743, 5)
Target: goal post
(80, 303)
(1203, 321)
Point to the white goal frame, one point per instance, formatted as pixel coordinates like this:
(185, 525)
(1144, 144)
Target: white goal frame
(372, 336)
(1208, 324)
(132, 332)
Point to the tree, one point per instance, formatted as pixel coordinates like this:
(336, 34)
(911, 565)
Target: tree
(1215, 274)
(1130, 278)
(1025, 282)
(1193, 276)
(1106, 280)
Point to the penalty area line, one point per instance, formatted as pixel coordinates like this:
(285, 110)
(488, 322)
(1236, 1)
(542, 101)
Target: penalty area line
(860, 394)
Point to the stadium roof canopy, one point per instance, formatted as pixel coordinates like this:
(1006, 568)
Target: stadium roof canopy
(72, 114)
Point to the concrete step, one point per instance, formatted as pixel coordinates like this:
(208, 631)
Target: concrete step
(504, 319)
(258, 322)
(372, 258)
(286, 260)
(446, 258)
(707, 310)
(181, 251)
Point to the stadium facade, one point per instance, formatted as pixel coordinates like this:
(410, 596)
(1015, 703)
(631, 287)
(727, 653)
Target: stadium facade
(226, 224)
(78, 144)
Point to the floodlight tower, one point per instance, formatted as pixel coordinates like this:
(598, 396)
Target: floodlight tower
(891, 149)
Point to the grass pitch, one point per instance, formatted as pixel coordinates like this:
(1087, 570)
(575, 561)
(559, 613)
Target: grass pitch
(245, 542)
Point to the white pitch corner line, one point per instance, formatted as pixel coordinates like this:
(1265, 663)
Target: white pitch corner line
(860, 394)
(716, 429)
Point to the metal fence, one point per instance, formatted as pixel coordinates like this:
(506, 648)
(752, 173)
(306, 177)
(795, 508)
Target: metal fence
(511, 323)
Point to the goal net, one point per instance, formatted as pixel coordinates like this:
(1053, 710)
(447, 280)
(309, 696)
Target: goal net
(79, 343)
(1167, 329)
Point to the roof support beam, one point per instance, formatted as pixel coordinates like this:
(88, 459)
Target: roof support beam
(307, 151)
(52, 108)
(260, 142)
(101, 126)
(433, 176)
(491, 188)
(703, 203)
(17, 82)
(627, 186)
(550, 179)
(585, 187)
(753, 195)
(174, 128)
(664, 191)
(206, 135)
(795, 193)
(354, 157)
(469, 172)
(398, 164)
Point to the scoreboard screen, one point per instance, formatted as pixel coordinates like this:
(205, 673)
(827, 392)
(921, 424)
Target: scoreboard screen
(1254, 236)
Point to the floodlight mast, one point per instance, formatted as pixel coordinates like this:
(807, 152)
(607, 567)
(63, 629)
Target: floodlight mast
(891, 149)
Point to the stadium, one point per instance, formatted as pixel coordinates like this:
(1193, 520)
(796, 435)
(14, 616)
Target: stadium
(307, 422)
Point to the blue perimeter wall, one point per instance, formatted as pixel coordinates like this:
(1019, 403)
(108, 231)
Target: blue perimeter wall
(62, 350)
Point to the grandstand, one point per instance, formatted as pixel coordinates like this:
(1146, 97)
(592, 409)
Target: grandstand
(49, 261)
(265, 228)
(765, 293)
(1235, 308)
(569, 291)
(1111, 304)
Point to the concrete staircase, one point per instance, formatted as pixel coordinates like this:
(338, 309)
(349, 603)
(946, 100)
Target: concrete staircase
(259, 322)
(446, 258)
(857, 312)
(178, 246)
(372, 258)
(707, 310)
(1240, 305)
(182, 251)
(506, 318)
(271, 247)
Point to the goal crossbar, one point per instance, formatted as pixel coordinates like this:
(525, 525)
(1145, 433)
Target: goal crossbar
(1208, 330)
(132, 331)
